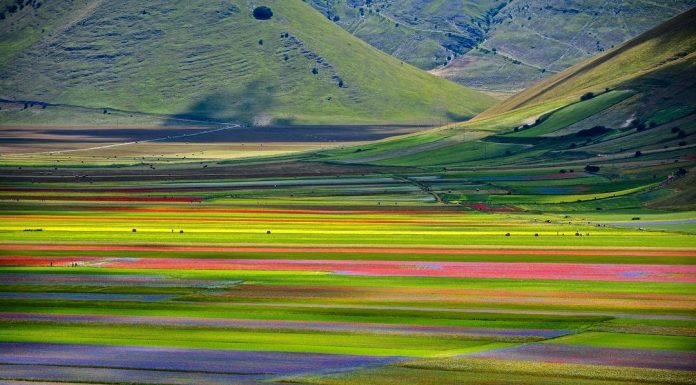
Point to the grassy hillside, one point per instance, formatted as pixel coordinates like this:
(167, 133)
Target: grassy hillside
(214, 61)
(666, 47)
(637, 129)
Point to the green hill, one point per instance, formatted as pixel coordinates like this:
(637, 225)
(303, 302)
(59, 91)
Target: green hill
(214, 61)
(642, 109)
(665, 48)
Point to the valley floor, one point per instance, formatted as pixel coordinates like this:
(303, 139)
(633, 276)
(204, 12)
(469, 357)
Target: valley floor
(333, 280)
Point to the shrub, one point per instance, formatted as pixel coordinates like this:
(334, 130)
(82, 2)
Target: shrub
(596, 130)
(262, 13)
(336, 18)
(675, 129)
(315, 70)
(682, 143)
(591, 168)
(637, 154)
(587, 96)
(340, 83)
(260, 41)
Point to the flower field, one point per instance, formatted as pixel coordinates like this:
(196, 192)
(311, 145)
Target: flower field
(177, 283)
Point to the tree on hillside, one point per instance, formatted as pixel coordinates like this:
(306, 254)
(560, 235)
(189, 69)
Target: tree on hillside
(263, 13)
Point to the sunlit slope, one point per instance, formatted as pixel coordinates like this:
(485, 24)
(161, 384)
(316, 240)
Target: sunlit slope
(671, 43)
(213, 60)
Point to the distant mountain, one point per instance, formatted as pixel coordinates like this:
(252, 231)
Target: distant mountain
(424, 33)
(213, 60)
(498, 46)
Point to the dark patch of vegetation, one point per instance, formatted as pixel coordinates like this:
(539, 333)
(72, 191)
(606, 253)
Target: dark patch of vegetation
(637, 154)
(594, 131)
(587, 96)
(262, 13)
(638, 125)
(591, 168)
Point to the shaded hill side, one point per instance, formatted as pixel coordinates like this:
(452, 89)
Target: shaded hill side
(214, 61)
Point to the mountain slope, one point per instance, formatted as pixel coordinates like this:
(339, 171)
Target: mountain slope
(424, 33)
(214, 61)
(644, 98)
(529, 40)
(498, 46)
(630, 147)
(668, 44)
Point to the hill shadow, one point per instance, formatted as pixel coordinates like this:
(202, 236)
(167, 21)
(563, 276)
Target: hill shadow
(239, 107)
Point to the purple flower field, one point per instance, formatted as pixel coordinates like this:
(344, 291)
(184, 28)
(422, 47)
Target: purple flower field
(106, 280)
(215, 364)
(87, 296)
(282, 324)
(580, 354)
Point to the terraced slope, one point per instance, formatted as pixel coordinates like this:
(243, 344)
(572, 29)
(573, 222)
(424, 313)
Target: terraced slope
(214, 61)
